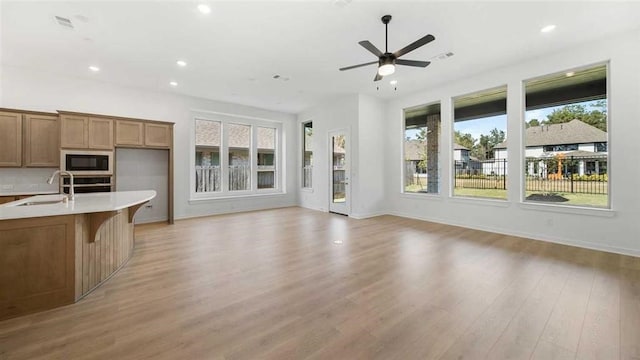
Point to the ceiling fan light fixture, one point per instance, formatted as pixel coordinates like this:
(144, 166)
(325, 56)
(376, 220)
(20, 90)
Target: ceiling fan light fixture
(386, 69)
(386, 66)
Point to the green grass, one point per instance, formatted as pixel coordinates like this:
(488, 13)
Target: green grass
(592, 200)
(482, 193)
(415, 188)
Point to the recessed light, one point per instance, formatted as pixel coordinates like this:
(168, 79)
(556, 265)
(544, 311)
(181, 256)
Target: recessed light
(94, 68)
(181, 63)
(570, 74)
(548, 28)
(204, 8)
(338, 242)
(173, 83)
(393, 82)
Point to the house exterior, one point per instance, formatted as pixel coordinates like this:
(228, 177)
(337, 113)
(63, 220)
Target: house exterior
(582, 147)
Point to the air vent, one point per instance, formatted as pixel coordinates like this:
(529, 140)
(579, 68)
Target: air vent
(281, 78)
(62, 21)
(341, 3)
(443, 56)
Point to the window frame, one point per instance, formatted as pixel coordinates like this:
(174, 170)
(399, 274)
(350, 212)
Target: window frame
(561, 207)
(302, 154)
(225, 120)
(452, 171)
(403, 129)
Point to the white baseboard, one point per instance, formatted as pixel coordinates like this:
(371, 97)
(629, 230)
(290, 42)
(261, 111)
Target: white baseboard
(367, 215)
(556, 240)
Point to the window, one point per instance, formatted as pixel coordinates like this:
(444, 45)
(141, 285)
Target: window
(566, 138)
(235, 156)
(480, 144)
(421, 173)
(208, 139)
(266, 158)
(307, 154)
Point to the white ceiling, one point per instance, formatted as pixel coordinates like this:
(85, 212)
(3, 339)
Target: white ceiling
(234, 51)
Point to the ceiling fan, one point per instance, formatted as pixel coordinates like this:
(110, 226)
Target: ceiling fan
(387, 61)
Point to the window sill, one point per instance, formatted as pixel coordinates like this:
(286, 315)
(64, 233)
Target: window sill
(212, 198)
(307, 190)
(480, 201)
(430, 196)
(566, 209)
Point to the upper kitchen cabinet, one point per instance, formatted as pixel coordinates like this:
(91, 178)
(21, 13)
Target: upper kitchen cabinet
(157, 135)
(10, 139)
(82, 132)
(41, 141)
(100, 133)
(129, 133)
(132, 133)
(74, 132)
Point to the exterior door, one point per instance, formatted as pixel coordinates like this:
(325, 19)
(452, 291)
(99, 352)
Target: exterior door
(339, 191)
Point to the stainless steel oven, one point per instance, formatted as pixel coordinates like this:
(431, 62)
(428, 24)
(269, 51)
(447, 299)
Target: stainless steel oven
(90, 163)
(87, 184)
(92, 171)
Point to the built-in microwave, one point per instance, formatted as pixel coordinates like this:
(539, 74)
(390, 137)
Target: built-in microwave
(86, 162)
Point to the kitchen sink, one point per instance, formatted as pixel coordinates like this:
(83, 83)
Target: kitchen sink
(44, 202)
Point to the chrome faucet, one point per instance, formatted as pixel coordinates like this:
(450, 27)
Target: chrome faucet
(62, 172)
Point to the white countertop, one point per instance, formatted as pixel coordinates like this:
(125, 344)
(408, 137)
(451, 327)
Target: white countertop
(83, 203)
(20, 193)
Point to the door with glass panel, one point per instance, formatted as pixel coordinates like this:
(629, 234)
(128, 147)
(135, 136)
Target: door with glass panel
(339, 158)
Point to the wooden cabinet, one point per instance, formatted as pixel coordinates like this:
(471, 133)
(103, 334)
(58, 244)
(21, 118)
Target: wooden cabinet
(41, 141)
(30, 140)
(7, 199)
(82, 132)
(74, 132)
(157, 135)
(143, 134)
(100, 133)
(10, 139)
(129, 133)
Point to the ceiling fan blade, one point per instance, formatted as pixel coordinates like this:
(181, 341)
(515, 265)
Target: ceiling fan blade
(378, 77)
(412, 63)
(369, 46)
(357, 66)
(414, 45)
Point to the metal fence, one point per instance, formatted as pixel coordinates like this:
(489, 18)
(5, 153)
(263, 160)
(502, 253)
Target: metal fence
(481, 174)
(559, 174)
(571, 174)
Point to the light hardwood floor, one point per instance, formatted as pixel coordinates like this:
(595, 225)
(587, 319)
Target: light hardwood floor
(296, 284)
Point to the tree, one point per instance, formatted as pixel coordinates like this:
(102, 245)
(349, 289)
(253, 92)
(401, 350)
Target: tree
(484, 148)
(596, 117)
(532, 122)
(422, 138)
(465, 140)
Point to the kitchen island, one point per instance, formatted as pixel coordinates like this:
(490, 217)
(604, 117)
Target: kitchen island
(53, 252)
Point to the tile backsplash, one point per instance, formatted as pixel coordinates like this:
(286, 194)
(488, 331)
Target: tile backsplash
(26, 180)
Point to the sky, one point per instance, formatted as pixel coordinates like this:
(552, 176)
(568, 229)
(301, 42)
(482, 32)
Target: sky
(483, 126)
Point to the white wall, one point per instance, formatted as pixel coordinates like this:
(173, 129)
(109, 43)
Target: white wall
(338, 113)
(368, 199)
(363, 116)
(25, 89)
(615, 230)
